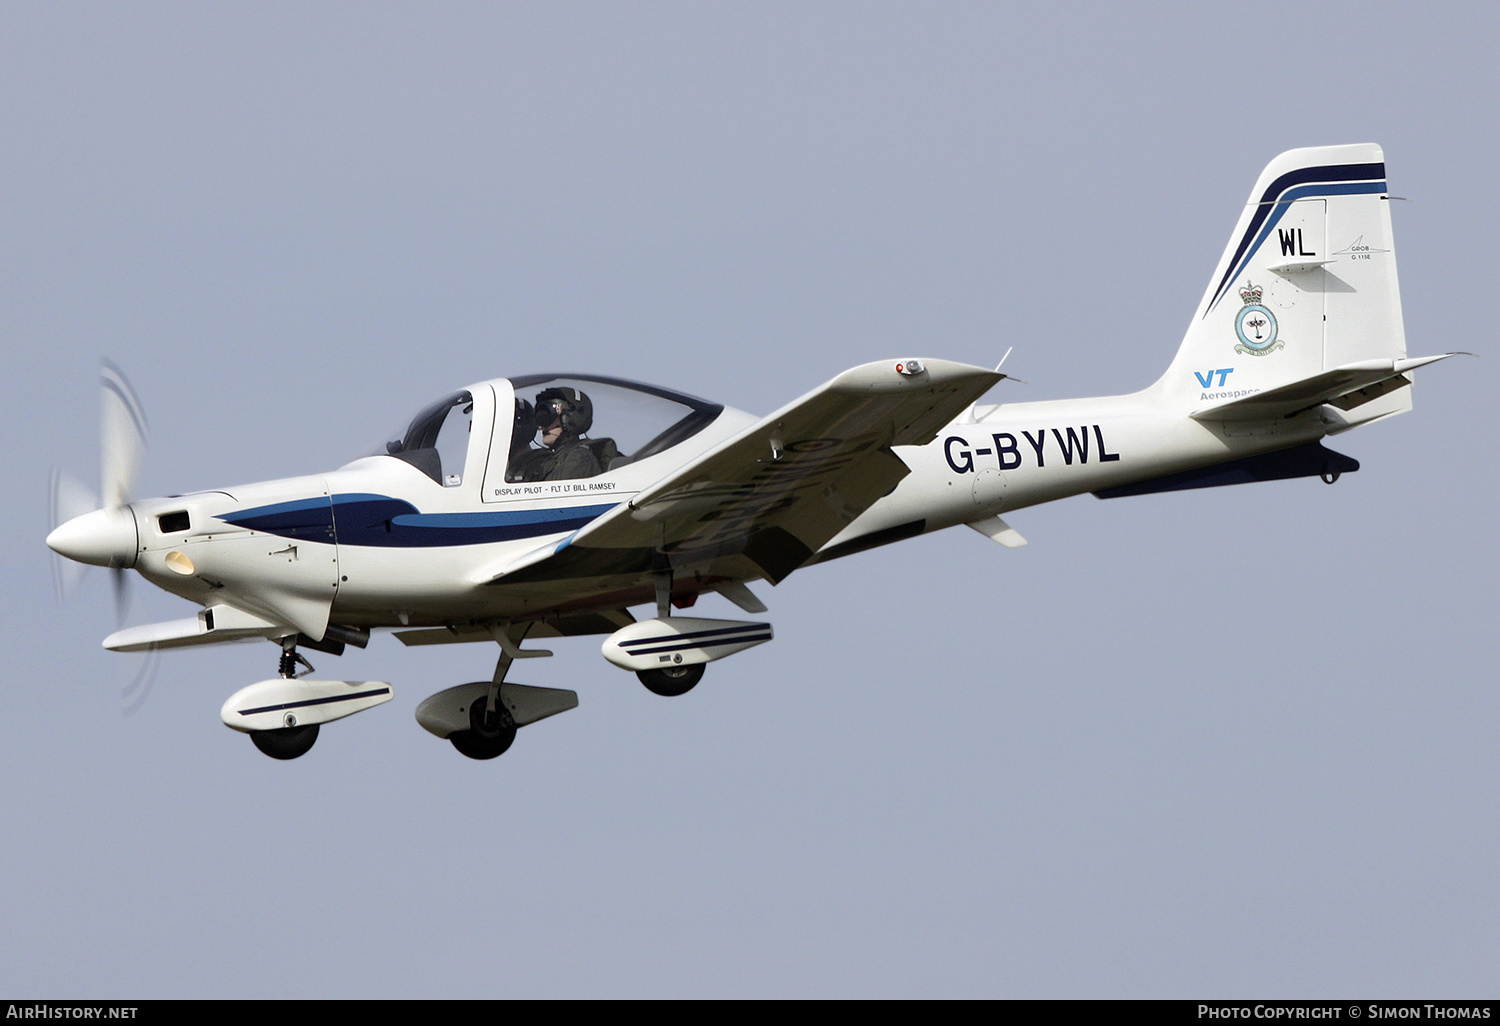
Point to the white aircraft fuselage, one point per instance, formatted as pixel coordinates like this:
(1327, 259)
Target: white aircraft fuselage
(549, 505)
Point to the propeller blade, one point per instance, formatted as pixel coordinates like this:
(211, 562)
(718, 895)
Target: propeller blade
(70, 498)
(133, 695)
(122, 594)
(104, 533)
(122, 436)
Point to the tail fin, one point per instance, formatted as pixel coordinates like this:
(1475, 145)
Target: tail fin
(1307, 284)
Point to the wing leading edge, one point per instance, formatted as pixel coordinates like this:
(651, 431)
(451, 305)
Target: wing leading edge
(775, 493)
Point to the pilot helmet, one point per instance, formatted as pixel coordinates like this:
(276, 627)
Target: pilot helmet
(573, 406)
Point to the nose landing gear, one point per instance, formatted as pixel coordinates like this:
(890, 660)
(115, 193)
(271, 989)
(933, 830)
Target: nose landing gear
(282, 715)
(292, 740)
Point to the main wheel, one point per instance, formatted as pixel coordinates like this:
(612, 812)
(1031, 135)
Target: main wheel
(285, 742)
(677, 680)
(489, 733)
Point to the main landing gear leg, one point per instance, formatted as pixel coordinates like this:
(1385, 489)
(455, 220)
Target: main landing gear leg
(491, 726)
(664, 594)
(292, 740)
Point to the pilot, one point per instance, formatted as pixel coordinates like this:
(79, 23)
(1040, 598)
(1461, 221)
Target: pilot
(562, 415)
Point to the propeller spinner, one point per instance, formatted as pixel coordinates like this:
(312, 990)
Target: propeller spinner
(105, 536)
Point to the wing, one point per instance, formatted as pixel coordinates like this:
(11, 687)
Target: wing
(761, 503)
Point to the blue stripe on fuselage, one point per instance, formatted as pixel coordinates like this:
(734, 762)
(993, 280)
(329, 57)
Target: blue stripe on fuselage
(384, 522)
(304, 519)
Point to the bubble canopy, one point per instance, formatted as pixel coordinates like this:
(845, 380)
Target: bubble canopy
(620, 421)
(436, 441)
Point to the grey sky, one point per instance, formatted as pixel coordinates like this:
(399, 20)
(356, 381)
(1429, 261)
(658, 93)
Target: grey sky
(1237, 742)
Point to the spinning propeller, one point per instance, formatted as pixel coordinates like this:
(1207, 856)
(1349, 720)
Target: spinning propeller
(90, 530)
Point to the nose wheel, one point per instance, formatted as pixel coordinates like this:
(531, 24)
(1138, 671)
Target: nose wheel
(671, 681)
(285, 742)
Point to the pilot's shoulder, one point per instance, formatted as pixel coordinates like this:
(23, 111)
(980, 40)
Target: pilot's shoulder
(577, 460)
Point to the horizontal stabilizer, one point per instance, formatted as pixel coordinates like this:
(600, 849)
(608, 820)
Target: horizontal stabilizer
(1304, 461)
(1346, 387)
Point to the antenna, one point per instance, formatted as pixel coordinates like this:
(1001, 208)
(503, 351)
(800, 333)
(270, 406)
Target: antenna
(971, 417)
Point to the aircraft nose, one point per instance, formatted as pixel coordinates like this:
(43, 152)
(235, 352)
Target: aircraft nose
(105, 537)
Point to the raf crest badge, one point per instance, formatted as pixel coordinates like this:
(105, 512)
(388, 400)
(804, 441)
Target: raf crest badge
(1255, 325)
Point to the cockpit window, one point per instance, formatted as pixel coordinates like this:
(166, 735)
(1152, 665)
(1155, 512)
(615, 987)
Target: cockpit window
(437, 442)
(576, 426)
